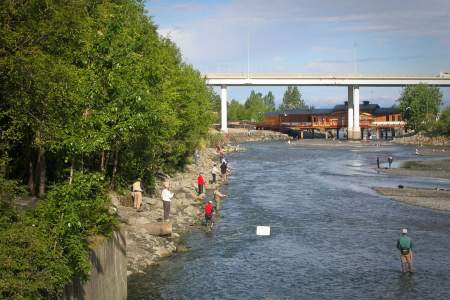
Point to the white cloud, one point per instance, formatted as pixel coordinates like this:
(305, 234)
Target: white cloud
(218, 39)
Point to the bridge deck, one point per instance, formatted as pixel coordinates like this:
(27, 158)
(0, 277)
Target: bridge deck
(323, 80)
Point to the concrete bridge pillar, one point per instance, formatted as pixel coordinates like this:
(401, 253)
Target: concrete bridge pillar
(353, 129)
(350, 113)
(356, 128)
(223, 109)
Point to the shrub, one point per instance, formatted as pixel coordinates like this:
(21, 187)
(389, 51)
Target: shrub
(44, 249)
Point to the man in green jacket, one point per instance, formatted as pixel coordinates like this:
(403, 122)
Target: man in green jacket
(405, 245)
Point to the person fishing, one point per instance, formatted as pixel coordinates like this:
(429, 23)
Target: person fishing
(214, 173)
(218, 198)
(137, 193)
(201, 183)
(223, 169)
(390, 160)
(405, 245)
(209, 211)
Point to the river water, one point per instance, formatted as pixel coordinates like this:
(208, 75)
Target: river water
(332, 236)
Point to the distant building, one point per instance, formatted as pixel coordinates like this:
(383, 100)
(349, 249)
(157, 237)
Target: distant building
(375, 121)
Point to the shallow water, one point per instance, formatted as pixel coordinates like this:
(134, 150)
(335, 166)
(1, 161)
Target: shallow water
(332, 236)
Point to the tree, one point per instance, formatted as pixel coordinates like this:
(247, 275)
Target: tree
(236, 111)
(443, 124)
(292, 99)
(269, 101)
(255, 106)
(419, 106)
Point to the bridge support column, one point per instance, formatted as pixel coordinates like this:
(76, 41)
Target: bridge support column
(223, 109)
(350, 113)
(356, 128)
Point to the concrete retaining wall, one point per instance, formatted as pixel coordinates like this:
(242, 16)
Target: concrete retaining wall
(108, 279)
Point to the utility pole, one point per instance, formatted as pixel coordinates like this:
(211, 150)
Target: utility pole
(248, 55)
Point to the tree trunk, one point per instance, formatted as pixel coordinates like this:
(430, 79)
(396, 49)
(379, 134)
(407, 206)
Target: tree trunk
(114, 171)
(72, 167)
(105, 166)
(31, 178)
(102, 162)
(42, 171)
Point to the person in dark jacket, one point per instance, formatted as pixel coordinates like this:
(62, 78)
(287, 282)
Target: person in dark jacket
(390, 160)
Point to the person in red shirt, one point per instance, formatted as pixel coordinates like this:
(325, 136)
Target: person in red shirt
(201, 183)
(209, 210)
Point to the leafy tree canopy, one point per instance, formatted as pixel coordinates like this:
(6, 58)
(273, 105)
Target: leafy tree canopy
(419, 106)
(292, 99)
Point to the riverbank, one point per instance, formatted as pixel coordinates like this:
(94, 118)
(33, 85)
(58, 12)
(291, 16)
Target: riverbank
(144, 248)
(240, 135)
(421, 139)
(423, 197)
(430, 168)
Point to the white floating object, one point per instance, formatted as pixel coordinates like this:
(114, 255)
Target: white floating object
(263, 230)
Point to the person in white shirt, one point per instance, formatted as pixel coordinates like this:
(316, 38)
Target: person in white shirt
(214, 173)
(166, 197)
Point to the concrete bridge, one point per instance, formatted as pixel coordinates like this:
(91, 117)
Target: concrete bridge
(352, 82)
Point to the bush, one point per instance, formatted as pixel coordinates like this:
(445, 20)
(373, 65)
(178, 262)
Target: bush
(74, 212)
(31, 267)
(443, 124)
(44, 249)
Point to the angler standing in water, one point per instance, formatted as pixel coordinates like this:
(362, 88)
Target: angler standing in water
(390, 160)
(218, 198)
(223, 169)
(405, 245)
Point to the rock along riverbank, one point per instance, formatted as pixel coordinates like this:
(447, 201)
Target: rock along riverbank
(144, 248)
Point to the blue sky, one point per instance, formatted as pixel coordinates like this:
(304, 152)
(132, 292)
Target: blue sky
(323, 37)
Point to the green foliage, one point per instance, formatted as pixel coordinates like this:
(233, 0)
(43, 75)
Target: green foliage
(42, 250)
(253, 109)
(31, 267)
(73, 213)
(269, 101)
(215, 139)
(419, 106)
(90, 87)
(292, 99)
(236, 111)
(8, 190)
(443, 124)
(96, 87)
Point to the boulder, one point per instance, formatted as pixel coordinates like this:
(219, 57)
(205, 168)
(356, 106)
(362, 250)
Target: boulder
(162, 251)
(141, 220)
(159, 229)
(191, 211)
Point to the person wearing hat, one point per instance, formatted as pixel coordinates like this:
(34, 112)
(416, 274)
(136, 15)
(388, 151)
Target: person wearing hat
(209, 210)
(405, 245)
(137, 193)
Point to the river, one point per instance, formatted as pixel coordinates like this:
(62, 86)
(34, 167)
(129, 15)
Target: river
(332, 236)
